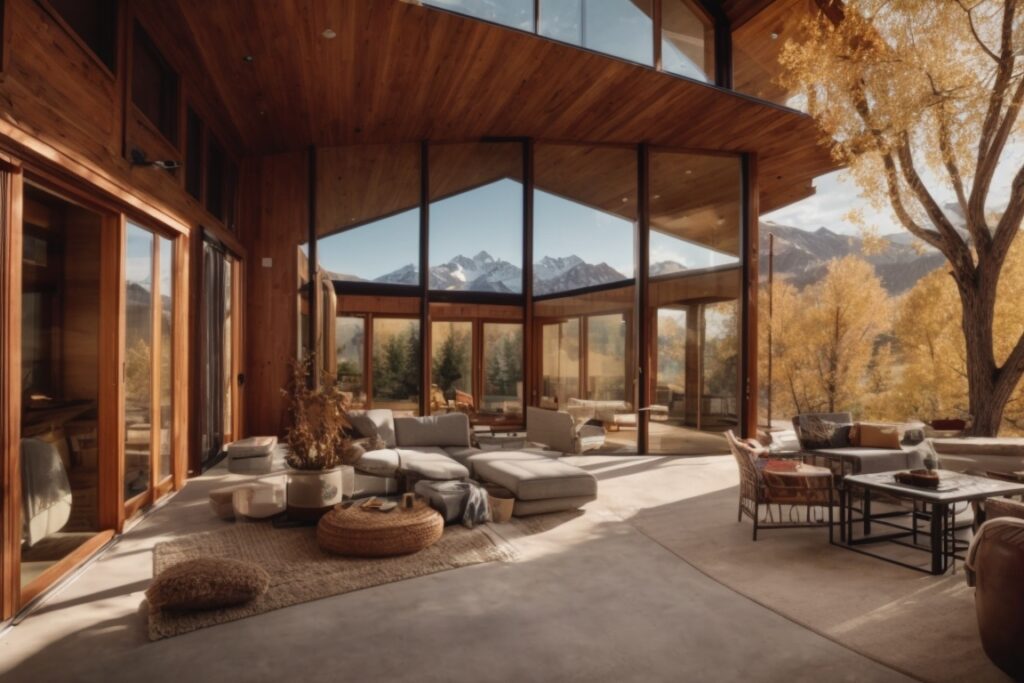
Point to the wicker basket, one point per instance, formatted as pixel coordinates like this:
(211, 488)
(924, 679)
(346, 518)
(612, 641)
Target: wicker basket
(501, 501)
(370, 533)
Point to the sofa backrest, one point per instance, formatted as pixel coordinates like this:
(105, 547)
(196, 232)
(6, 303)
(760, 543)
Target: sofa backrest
(451, 429)
(552, 428)
(379, 421)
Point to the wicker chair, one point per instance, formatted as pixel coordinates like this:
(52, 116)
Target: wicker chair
(775, 485)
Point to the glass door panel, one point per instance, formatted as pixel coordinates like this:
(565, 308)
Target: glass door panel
(138, 367)
(560, 363)
(350, 337)
(216, 339)
(451, 368)
(503, 372)
(59, 384)
(396, 374)
(166, 355)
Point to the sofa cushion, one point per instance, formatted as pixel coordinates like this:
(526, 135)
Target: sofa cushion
(461, 454)
(872, 435)
(437, 430)
(871, 460)
(381, 463)
(495, 456)
(537, 479)
(377, 422)
(818, 432)
(431, 463)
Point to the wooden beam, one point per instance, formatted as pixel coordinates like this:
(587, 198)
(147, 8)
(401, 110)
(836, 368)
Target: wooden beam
(751, 283)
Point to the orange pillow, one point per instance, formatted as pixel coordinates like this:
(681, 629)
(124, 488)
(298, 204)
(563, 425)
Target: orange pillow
(875, 435)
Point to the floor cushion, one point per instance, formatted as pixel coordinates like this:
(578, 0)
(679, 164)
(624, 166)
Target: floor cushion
(538, 479)
(380, 463)
(430, 463)
(207, 583)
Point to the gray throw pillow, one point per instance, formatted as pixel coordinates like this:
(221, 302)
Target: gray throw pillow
(363, 424)
(815, 433)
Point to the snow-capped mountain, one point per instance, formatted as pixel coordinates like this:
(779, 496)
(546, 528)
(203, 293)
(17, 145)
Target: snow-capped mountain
(666, 268)
(578, 276)
(482, 273)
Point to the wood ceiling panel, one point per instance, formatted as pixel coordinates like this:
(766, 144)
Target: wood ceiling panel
(398, 72)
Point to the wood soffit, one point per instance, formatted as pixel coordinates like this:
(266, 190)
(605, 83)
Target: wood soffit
(397, 72)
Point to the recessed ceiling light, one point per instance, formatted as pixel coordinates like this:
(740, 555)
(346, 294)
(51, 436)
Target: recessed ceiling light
(247, 59)
(775, 36)
(329, 33)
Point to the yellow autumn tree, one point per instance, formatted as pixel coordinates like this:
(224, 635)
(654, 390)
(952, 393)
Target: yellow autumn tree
(921, 99)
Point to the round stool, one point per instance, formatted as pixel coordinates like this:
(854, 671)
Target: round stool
(371, 533)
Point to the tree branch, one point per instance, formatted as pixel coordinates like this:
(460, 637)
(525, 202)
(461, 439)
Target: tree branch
(974, 31)
(1009, 224)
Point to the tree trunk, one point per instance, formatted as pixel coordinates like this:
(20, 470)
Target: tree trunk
(985, 403)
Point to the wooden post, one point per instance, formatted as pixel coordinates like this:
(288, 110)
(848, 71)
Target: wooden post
(751, 235)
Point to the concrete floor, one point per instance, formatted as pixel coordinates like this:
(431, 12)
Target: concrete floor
(592, 598)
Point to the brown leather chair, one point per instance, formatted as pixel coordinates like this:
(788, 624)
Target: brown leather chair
(995, 565)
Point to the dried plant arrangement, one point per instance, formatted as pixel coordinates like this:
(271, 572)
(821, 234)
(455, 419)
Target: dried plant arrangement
(318, 410)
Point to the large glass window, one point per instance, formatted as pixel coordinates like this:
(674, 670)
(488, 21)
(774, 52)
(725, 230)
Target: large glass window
(695, 310)
(503, 371)
(585, 203)
(687, 40)
(560, 363)
(607, 357)
(621, 28)
(514, 13)
(451, 367)
(476, 217)
(368, 215)
(396, 364)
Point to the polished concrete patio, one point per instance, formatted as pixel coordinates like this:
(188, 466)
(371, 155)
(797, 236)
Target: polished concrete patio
(595, 597)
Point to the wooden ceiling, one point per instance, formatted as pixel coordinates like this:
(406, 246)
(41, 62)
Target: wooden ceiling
(398, 72)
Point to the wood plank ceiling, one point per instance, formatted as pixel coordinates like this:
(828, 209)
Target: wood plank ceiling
(398, 72)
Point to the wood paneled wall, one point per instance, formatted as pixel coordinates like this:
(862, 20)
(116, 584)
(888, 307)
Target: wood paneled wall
(275, 191)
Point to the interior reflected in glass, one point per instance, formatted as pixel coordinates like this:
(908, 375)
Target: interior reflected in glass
(396, 364)
(560, 363)
(166, 248)
(60, 322)
(451, 368)
(476, 217)
(138, 368)
(687, 40)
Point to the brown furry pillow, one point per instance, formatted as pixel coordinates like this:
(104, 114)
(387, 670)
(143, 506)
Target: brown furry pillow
(207, 583)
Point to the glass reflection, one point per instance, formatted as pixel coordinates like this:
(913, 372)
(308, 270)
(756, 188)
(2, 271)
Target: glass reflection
(621, 28)
(166, 321)
(687, 40)
(451, 367)
(514, 13)
(350, 335)
(138, 359)
(503, 371)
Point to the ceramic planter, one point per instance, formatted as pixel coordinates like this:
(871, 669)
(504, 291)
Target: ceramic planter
(311, 493)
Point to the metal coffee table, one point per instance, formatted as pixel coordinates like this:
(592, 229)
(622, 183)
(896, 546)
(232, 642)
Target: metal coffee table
(936, 506)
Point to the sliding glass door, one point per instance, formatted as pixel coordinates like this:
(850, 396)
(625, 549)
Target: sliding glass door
(218, 362)
(148, 366)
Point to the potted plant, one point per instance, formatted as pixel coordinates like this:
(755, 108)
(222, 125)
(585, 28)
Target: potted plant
(317, 441)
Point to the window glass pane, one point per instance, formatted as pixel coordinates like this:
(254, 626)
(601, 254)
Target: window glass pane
(585, 203)
(193, 153)
(368, 215)
(621, 28)
(154, 86)
(166, 351)
(451, 367)
(476, 217)
(95, 22)
(514, 13)
(503, 371)
(396, 364)
(350, 336)
(560, 359)
(687, 41)
(227, 380)
(60, 337)
(215, 162)
(138, 359)
(695, 212)
(607, 358)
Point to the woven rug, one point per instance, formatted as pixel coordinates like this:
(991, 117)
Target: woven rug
(300, 571)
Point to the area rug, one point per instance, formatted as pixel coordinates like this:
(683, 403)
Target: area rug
(301, 572)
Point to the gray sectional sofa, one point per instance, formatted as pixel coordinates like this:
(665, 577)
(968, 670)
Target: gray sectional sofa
(440, 448)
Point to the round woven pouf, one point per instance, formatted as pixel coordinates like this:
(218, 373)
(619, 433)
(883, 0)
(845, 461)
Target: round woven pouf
(370, 533)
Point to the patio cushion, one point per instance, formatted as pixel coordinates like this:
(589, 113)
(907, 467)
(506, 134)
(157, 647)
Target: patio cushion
(874, 435)
(431, 463)
(870, 460)
(437, 430)
(537, 479)
(818, 430)
(790, 482)
(381, 463)
(377, 422)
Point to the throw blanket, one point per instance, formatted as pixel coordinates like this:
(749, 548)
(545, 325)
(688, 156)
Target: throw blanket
(477, 510)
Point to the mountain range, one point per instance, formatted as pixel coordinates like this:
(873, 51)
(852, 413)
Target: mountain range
(802, 256)
(484, 273)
